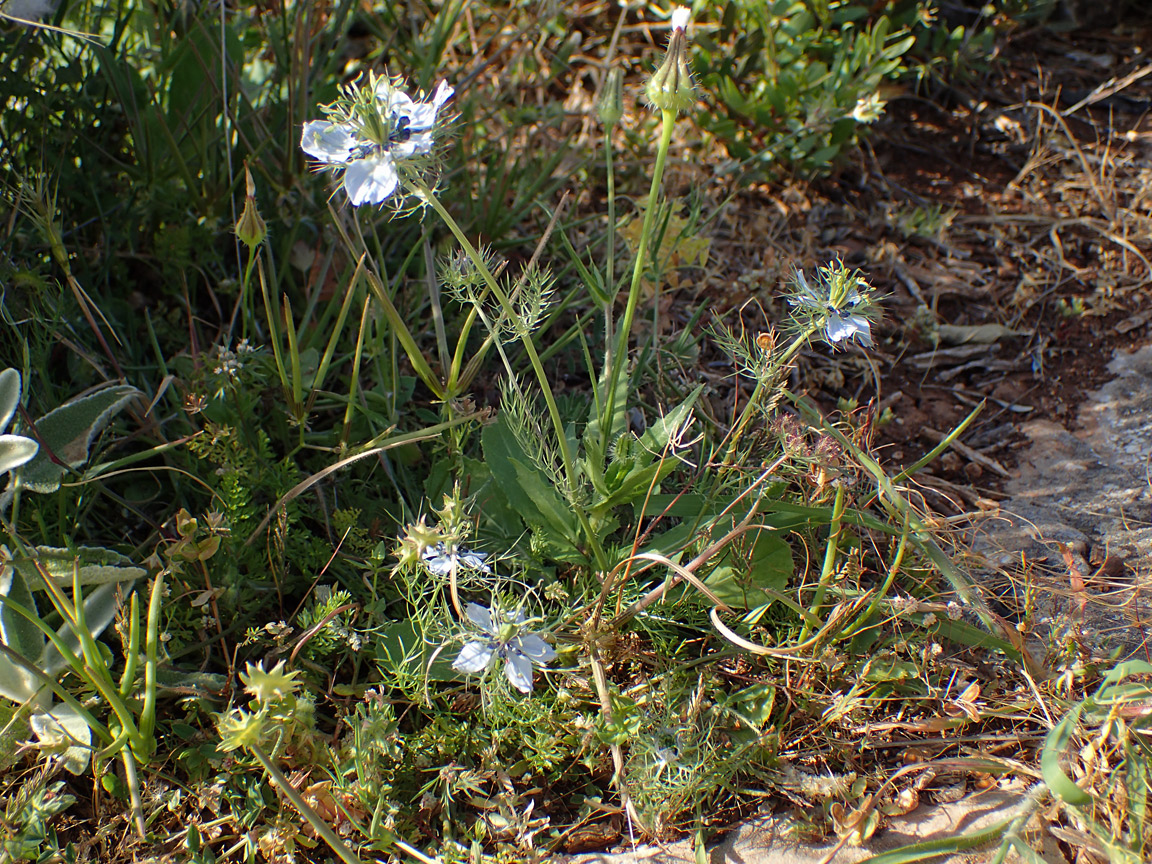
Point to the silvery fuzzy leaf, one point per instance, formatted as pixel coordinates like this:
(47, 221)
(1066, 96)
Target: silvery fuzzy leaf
(9, 396)
(63, 729)
(15, 450)
(67, 434)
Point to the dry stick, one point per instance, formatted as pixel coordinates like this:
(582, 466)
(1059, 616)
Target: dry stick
(967, 452)
(1109, 88)
(604, 693)
(1105, 205)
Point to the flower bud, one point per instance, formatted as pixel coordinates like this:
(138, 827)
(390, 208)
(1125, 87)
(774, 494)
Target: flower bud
(611, 107)
(250, 228)
(670, 87)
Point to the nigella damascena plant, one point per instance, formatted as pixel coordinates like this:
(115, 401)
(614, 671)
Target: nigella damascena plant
(373, 134)
(838, 302)
(504, 637)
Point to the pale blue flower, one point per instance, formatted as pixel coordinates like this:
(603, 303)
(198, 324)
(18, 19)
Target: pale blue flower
(842, 320)
(369, 133)
(441, 559)
(507, 640)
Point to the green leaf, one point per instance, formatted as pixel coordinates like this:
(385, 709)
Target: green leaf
(1055, 745)
(98, 566)
(16, 450)
(67, 432)
(9, 396)
(402, 645)
(889, 668)
(19, 634)
(527, 489)
(62, 729)
(657, 436)
(757, 563)
(623, 723)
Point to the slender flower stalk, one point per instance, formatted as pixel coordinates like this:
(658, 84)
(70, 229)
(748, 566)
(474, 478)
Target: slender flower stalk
(670, 91)
(418, 188)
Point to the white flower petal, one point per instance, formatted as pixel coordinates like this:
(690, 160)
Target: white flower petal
(328, 142)
(441, 566)
(443, 94)
(806, 296)
(841, 327)
(371, 181)
(475, 560)
(680, 17)
(437, 562)
(421, 115)
(420, 143)
(479, 616)
(518, 669)
(536, 648)
(474, 658)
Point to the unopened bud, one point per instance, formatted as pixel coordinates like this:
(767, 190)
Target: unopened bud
(611, 107)
(670, 87)
(250, 228)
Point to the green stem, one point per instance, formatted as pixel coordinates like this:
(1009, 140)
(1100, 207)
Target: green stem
(610, 264)
(151, 658)
(533, 359)
(319, 825)
(830, 554)
(893, 569)
(618, 360)
(766, 379)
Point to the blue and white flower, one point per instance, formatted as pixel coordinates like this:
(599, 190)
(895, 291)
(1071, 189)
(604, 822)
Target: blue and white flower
(370, 132)
(443, 558)
(841, 304)
(503, 639)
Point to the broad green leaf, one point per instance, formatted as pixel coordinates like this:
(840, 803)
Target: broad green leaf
(657, 436)
(755, 563)
(525, 487)
(62, 729)
(67, 434)
(98, 566)
(889, 668)
(17, 632)
(401, 645)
